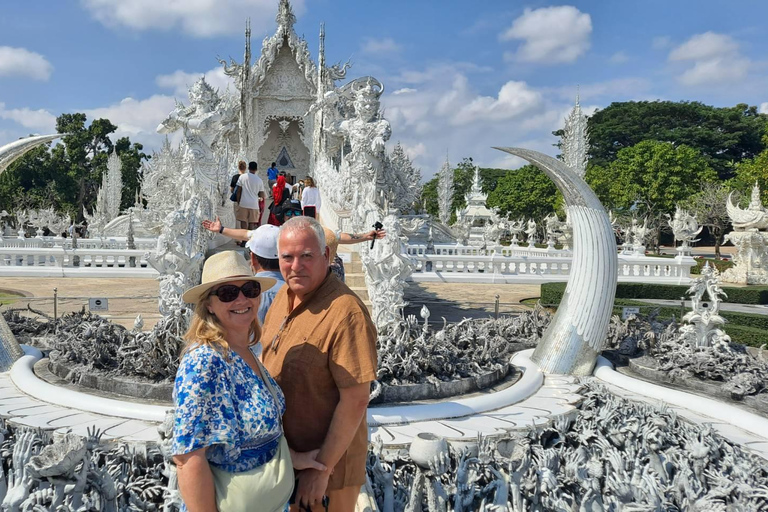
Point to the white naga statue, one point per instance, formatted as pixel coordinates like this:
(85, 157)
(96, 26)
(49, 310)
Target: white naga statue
(685, 227)
(750, 237)
(638, 234)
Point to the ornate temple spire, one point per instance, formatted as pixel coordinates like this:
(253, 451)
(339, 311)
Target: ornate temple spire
(476, 188)
(321, 64)
(575, 142)
(285, 17)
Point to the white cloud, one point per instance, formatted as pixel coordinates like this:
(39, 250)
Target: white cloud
(550, 35)
(618, 58)
(137, 119)
(180, 81)
(404, 90)
(715, 57)
(374, 46)
(764, 108)
(446, 112)
(24, 63)
(199, 18)
(40, 120)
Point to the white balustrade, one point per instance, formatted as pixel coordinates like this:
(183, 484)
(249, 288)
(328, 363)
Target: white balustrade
(452, 263)
(144, 244)
(68, 262)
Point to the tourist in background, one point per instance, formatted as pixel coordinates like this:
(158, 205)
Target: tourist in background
(253, 191)
(227, 433)
(310, 198)
(272, 176)
(320, 345)
(241, 168)
(297, 190)
(262, 246)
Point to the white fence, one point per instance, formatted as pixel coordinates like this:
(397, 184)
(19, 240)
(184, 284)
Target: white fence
(67, 262)
(456, 264)
(144, 244)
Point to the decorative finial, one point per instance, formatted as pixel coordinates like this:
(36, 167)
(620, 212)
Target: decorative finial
(285, 17)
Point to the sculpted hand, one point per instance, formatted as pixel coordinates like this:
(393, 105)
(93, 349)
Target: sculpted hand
(312, 486)
(214, 226)
(306, 460)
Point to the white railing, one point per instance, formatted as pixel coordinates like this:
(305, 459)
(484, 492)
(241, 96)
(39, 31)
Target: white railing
(534, 268)
(80, 262)
(145, 244)
(470, 250)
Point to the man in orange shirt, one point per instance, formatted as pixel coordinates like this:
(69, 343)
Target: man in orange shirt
(320, 346)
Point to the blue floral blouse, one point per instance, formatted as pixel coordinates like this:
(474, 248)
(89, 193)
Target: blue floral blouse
(224, 405)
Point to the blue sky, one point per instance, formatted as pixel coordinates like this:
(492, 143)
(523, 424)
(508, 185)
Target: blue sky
(461, 76)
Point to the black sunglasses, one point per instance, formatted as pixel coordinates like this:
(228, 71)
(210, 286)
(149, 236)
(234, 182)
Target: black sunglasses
(230, 292)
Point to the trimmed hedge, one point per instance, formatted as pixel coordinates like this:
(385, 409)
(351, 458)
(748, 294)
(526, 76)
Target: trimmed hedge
(721, 265)
(745, 328)
(551, 293)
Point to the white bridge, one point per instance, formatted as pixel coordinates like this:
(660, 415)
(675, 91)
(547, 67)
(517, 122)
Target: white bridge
(467, 264)
(93, 257)
(450, 263)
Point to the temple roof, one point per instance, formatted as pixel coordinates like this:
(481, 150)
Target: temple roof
(476, 199)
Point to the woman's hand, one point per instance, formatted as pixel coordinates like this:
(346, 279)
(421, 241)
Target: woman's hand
(306, 460)
(214, 226)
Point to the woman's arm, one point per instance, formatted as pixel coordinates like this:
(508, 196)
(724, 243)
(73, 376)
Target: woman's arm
(216, 227)
(196, 481)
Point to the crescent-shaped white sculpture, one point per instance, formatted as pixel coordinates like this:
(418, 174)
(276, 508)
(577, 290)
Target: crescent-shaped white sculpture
(576, 335)
(14, 150)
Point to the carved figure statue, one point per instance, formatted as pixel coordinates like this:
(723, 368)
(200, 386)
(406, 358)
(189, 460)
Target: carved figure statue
(639, 233)
(530, 233)
(685, 227)
(704, 320)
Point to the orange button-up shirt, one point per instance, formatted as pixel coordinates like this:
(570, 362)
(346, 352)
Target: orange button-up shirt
(328, 342)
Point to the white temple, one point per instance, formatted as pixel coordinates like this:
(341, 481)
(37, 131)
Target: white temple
(476, 214)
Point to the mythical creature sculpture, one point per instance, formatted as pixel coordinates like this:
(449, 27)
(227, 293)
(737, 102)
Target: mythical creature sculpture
(685, 227)
(755, 217)
(750, 237)
(515, 227)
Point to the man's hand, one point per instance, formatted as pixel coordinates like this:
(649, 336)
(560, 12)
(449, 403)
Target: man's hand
(376, 234)
(312, 487)
(214, 226)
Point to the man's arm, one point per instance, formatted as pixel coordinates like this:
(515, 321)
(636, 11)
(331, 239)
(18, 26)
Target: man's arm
(196, 481)
(356, 238)
(216, 227)
(352, 406)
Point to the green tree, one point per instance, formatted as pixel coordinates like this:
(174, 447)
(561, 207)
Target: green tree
(651, 178)
(724, 136)
(749, 172)
(524, 193)
(68, 175)
(708, 206)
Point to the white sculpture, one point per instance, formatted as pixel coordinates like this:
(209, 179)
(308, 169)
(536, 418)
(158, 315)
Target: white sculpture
(404, 183)
(685, 228)
(750, 237)
(530, 233)
(515, 227)
(576, 335)
(704, 321)
(638, 234)
(575, 140)
(108, 198)
(445, 192)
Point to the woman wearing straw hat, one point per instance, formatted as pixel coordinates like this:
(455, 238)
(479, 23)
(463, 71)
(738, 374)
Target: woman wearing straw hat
(228, 442)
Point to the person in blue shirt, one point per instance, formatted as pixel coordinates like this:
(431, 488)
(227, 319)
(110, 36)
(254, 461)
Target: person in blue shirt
(262, 242)
(272, 177)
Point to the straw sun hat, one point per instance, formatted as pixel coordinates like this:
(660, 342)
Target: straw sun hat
(224, 267)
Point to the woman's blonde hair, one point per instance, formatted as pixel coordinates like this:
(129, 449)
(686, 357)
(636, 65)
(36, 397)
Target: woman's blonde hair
(205, 329)
(241, 165)
(309, 181)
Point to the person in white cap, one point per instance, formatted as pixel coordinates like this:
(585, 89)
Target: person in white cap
(262, 244)
(264, 261)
